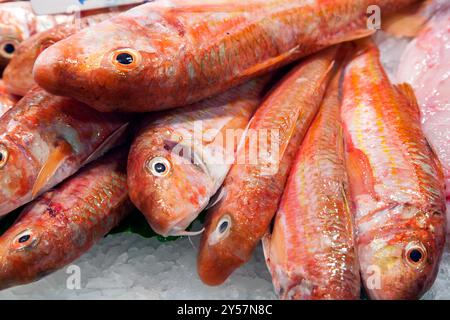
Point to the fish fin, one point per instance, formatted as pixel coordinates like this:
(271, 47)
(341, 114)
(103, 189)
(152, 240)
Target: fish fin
(355, 35)
(271, 63)
(54, 161)
(215, 199)
(360, 173)
(187, 233)
(113, 140)
(266, 243)
(405, 90)
(407, 22)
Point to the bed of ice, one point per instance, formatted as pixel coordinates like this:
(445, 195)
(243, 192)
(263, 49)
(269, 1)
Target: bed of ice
(127, 266)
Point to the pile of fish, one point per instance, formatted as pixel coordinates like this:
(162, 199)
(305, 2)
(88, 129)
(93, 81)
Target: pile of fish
(275, 117)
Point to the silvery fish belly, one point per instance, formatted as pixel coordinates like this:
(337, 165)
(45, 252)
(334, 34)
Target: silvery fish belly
(167, 54)
(252, 189)
(396, 182)
(66, 222)
(180, 158)
(425, 64)
(18, 22)
(311, 251)
(44, 139)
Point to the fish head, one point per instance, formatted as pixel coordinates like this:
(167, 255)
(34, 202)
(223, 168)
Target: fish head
(18, 73)
(224, 245)
(104, 61)
(168, 181)
(23, 250)
(16, 175)
(401, 261)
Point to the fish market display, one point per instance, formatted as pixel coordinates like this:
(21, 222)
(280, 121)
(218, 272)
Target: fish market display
(18, 22)
(7, 100)
(252, 189)
(311, 253)
(261, 122)
(18, 75)
(396, 182)
(171, 53)
(64, 223)
(426, 66)
(44, 139)
(180, 159)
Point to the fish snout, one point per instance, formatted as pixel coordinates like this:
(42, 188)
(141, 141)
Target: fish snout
(52, 68)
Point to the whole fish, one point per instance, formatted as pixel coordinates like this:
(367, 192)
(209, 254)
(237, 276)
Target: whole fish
(396, 182)
(45, 139)
(7, 100)
(169, 54)
(425, 64)
(66, 222)
(18, 22)
(18, 75)
(253, 188)
(311, 252)
(195, 146)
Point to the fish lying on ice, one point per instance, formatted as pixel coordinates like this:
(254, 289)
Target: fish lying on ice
(425, 64)
(311, 252)
(168, 54)
(18, 75)
(396, 182)
(66, 222)
(180, 158)
(252, 189)
(45, 139)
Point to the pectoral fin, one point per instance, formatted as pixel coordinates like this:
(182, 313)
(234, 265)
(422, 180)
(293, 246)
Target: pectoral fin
(112, 141)
(54, 161)
(271, 63)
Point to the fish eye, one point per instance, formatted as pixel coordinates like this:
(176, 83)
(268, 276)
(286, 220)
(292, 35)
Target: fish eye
(415, 254)
(24, 240)
(222, 230)
(7, 48)
(126, 59)
(158, 166)
(4, 154)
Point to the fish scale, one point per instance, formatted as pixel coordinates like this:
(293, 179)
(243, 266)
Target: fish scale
(251, 39)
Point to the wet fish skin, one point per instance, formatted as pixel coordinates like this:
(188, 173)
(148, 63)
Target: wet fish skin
(237, 223)
(396, 182)
(425, 64)
(173, 53)
(171, 201)
(7, 100)
(64, 223)
(311, 251)
(18, 22)
(18, 75)
(44, 139)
